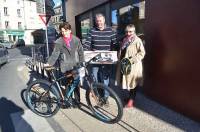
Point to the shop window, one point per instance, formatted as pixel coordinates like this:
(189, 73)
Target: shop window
(85, 27)
(129, 14)
(14, 38)
(10, 38)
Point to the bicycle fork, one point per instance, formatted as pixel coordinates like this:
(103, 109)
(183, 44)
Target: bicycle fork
(90, 84)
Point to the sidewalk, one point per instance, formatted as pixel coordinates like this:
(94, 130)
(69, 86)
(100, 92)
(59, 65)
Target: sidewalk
(146, 116)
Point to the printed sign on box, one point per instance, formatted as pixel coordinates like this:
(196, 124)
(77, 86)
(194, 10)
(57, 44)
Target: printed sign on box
(102, 57)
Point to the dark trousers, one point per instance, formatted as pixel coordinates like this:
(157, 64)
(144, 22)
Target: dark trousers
(65, 83)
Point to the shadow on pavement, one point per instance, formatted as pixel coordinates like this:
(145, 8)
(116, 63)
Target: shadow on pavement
(6, 123)
(84, 108)
(23, 97)
(161, 112)
(121, 123)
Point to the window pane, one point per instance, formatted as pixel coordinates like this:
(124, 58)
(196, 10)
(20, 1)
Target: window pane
(129, 14)
(85, 27)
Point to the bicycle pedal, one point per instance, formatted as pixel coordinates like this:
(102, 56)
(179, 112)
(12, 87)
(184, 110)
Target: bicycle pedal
(64, 104)
(76, 105)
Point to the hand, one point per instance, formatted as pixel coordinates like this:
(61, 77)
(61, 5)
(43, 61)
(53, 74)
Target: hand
(46, 65)
(83, 64)
(133, 60)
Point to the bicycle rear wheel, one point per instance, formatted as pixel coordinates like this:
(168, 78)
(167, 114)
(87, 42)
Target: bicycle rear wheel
(42, 98)
(104, 103)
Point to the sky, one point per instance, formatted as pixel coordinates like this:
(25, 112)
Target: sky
(57, 2)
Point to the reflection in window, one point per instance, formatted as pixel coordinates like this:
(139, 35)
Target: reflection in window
(85, 27)
(114, 20)
(134, 13)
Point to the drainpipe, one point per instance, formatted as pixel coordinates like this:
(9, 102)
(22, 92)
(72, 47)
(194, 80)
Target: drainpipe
(64, 10)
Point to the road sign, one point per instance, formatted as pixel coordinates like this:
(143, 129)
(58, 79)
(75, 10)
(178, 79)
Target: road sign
(45, 18)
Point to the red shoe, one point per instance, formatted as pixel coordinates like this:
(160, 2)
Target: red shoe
(130, 103)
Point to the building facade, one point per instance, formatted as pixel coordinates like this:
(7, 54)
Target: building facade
(11, 19)
(58, 17)
(171, 69)
(19, 18)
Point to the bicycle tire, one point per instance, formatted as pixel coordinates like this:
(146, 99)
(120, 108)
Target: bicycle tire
(38, 95)
(102, 113)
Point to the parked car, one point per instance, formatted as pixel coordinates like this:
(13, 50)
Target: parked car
(19, 43)
(3, 55)
(6, 44)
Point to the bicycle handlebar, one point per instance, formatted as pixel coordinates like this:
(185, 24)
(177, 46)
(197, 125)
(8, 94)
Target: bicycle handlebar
(85, 64)
(78, 65)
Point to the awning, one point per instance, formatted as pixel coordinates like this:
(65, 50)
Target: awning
(15, 32)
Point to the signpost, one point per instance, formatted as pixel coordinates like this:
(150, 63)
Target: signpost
(45, 19)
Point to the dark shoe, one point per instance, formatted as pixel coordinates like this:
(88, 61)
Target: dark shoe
(64, 104)
(103, 102)
(76, 104)
(106, 103)
(126, 100)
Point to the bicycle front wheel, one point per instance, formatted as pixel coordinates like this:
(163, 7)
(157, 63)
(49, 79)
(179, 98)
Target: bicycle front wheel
(104, 103)
(42, 98)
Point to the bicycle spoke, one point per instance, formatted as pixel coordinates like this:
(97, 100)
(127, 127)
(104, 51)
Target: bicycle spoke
(105, 104)
(41, 99)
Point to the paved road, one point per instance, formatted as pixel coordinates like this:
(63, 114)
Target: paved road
(147, 116)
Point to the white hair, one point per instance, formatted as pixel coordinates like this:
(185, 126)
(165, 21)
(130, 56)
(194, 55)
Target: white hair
(99, 15)
(130, 26)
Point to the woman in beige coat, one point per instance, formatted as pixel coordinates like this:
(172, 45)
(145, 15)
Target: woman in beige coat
(132, 48)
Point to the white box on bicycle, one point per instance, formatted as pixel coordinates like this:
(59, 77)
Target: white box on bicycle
(102, 57)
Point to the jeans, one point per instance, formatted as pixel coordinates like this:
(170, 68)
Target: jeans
(101, 75)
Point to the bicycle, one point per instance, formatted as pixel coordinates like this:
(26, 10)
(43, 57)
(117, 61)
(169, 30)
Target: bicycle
(45, 98)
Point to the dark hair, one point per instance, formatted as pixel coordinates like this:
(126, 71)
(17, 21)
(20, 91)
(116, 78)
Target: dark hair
(65, 25)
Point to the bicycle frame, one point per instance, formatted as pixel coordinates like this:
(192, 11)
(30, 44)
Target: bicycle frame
(50, 96)
(56, 81)
(90, 79)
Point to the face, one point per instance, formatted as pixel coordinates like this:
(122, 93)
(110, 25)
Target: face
(100, 22)
(130, 32)
(65, 33)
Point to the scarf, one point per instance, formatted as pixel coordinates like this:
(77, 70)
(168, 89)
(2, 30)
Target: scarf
(68, 40)
(127, 41)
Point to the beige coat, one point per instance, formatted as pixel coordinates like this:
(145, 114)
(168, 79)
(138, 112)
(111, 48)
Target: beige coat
(137, 52)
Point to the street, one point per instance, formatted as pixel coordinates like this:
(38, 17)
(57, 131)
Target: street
(147, 116)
